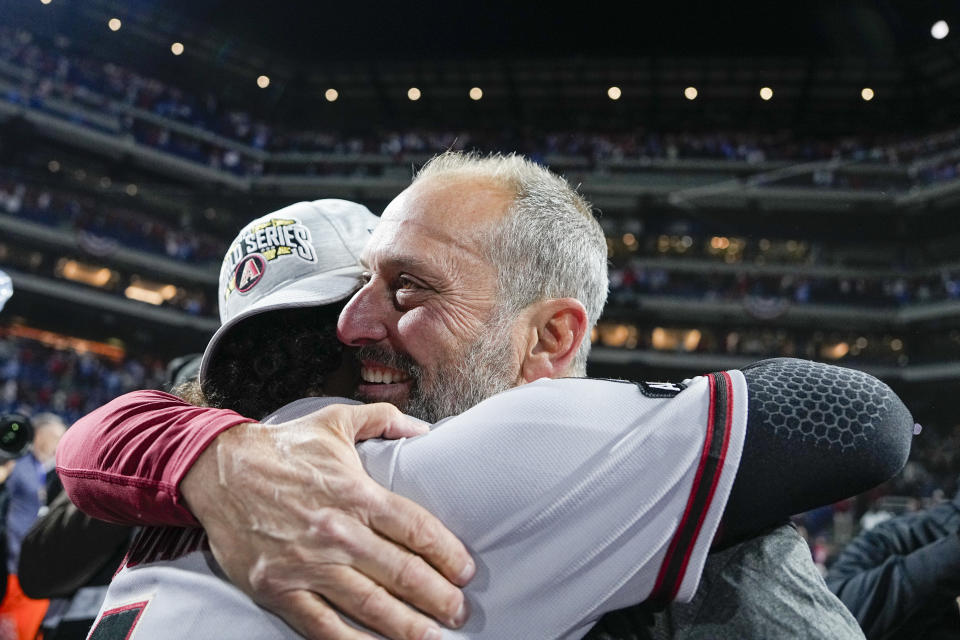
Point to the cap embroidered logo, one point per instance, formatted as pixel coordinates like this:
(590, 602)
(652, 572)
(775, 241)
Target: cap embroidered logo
(249, 272)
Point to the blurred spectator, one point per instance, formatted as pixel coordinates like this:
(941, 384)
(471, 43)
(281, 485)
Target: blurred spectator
(20, 616)
(901, 579)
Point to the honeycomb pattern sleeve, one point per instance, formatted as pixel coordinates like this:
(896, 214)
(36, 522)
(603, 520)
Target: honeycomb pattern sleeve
(816, 434)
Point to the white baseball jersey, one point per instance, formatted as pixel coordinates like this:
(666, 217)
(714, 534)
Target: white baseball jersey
(574, 496)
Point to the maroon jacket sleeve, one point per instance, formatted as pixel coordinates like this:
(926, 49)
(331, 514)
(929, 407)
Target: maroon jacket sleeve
(123, 463)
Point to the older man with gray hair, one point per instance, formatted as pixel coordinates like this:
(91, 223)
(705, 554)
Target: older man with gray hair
(494, 262)
(485, 274)
(479, 262)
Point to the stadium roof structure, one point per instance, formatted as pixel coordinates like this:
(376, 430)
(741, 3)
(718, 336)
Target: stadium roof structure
(544, 67)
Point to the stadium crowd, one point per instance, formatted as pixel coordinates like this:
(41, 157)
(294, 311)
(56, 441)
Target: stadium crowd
(102, 227)
(46, 75)
(856, 348)
(36, 377)
(121, 226)
(630, 282)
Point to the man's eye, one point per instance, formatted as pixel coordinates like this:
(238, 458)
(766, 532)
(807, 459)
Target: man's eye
(365, 277)
(406, 284)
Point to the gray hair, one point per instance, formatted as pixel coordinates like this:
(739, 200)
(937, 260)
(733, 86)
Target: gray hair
(549, 245)
(43, 421)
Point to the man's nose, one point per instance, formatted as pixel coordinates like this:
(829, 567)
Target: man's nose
(363, 320)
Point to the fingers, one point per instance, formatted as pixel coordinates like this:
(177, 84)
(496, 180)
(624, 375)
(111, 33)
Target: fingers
(403, 574)
(313, 618)
(408, 524)
(336, 541)
(363, 599)
(379, 420)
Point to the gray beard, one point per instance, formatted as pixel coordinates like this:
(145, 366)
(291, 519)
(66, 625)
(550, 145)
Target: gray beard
(483, 369)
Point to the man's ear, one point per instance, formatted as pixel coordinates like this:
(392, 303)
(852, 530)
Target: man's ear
(556, 329)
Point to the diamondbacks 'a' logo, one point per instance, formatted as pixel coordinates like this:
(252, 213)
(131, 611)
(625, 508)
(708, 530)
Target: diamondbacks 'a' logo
(249, 272)
(261, 244)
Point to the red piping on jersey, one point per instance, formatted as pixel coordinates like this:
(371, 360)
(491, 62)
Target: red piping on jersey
(728, 418)
(662, 593)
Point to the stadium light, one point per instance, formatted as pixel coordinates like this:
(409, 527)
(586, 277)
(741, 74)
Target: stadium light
(766, 93)
(176, 48)
(940, 29)
(263, 82)
(150, 292)
(834, 351)
(93, 275)
(114, 24)
(45, 1)
(413, 93)
(614, 93)
(476, 93)
(867, 94)
(690, 93)
(331, 95)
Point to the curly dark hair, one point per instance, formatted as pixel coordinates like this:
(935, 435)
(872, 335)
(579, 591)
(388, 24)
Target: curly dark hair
(274, 358)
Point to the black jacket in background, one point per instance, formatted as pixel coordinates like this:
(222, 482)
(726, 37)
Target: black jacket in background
(901, 579)
(67, 549)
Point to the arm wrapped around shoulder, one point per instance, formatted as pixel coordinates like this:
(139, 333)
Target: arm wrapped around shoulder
(816, 434)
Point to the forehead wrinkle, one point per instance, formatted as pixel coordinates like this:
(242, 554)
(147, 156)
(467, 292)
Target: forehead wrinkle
(441, 267)
(386, 251)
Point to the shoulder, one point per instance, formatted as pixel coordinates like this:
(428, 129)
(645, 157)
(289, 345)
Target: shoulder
(563, 394)
(303, 407)
(759, 588)
(576, 400)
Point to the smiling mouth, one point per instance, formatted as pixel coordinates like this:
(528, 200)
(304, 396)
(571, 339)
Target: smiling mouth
(376, 374)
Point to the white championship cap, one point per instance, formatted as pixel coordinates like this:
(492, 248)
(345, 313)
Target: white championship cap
(304, 255)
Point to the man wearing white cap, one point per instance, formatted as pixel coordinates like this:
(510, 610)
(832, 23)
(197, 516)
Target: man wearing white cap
(544, 423)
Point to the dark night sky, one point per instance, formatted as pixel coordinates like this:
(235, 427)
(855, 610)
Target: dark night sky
(305, 30)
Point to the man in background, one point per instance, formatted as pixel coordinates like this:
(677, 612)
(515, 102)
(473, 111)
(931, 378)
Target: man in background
(20, 616)
(901, 578)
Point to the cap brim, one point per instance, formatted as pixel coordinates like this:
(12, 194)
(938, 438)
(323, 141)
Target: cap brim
(315, 291)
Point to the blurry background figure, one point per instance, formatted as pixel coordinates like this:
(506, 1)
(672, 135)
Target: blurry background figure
(901, 579)
(26, 487)
(70, 557)
(181, 370)
(6, 289)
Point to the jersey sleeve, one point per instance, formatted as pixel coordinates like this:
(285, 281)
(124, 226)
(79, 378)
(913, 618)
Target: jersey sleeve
(576, 496)
(123, 462)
